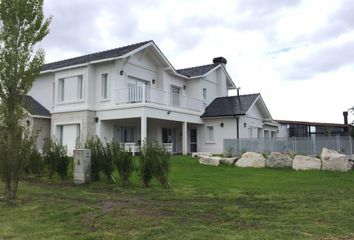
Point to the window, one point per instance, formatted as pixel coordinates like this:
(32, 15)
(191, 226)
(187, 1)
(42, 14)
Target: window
(210, 134)
(104, 86)
(259, 133)
(79, 87)
(124, 134)
(205, 96)
(60, 134)
(61, 90)
(70, 89)
(175, 95)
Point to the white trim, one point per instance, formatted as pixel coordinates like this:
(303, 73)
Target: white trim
(39, 116)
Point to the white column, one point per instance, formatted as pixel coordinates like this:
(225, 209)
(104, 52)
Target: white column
(184, 138)
(143, 129)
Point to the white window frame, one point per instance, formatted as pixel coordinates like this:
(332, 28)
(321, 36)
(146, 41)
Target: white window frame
(80, 90)
(207, 134)
(104, 89)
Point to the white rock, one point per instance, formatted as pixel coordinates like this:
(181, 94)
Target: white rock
(301, 162)
(251, 159)
(206, 160)
(334, 161)
(279, 160)
(199, 154)
(228, 161)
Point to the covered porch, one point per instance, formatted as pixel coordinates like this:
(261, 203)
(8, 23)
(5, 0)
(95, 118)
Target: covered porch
(177, 136)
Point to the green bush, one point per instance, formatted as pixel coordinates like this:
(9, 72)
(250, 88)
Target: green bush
(161, 165)
(123, 161)
(145, 165)
(101, 158)
(154, 161)
(35, 163)
(56, 159)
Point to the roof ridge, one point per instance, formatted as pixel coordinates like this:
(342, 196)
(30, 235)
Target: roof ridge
(241, 95)
(212, 64)
(99, 52)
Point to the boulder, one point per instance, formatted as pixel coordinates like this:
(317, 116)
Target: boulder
(206, 160)
(228, 161)
(251, 159)
(334, 161)
(301, 162)
(199, 154)
(279, 160)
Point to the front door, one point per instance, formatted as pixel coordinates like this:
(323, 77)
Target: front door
(193, 140)
(169, 136)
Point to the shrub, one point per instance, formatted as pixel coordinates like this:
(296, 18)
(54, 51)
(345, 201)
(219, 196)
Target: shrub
(56, 159)
(35, 163)
(101, 158)
(161, 165)
(154, 161)
(145, 166)
(123, 161)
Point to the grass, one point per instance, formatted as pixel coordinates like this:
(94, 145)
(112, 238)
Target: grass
(204, 203)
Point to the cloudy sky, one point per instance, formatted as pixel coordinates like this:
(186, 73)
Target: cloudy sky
(298, 54)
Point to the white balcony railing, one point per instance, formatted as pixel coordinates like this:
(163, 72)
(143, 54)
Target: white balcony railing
(142, 94)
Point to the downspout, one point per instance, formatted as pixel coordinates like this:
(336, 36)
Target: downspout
(237, 127)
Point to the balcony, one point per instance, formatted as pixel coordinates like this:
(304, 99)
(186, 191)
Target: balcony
(146, 94)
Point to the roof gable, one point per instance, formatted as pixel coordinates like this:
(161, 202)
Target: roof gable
(35, 108)
(230, 106)
(113, 53)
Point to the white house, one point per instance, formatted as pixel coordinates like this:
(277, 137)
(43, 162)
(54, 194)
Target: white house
(133, 93)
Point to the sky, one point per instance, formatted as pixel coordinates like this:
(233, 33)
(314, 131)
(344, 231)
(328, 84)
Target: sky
(298, 54)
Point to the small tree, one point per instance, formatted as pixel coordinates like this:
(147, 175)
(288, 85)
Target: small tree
(22, 26)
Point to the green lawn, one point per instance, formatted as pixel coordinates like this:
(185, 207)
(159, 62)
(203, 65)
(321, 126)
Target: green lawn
(204, 203)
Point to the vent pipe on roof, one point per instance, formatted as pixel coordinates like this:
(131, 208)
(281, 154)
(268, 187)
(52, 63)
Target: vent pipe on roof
(345, 115)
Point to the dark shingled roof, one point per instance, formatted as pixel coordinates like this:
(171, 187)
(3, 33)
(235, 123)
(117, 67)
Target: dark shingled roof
(35, 108)
(117, 52)
(197, 71)
(230, 106)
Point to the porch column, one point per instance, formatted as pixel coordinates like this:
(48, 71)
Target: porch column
(143, 130)
(184, 138)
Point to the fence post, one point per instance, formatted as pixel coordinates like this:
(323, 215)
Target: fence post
(351, 146)
(314, 146)
(338, 144)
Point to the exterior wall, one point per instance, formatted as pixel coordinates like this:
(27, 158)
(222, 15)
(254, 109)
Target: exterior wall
(86, 119)
(42, 90)
(220, 133)
(43, 126)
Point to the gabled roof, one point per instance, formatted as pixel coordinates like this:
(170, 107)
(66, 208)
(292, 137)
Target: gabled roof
(35, 108)
(230, 106)
(117, 52)
(197, 71)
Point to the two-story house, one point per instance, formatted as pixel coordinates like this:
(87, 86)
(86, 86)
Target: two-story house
(133, 93)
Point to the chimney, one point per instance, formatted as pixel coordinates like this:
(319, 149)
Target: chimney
(345, 115)
(221, 60)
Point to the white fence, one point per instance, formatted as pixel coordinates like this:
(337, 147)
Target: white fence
(307, 146)
(157, 96)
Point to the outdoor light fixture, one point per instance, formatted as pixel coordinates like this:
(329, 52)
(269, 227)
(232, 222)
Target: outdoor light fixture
(184, 87)
(245, 125)
(168, 112)
(96, 119)
(121, 72)
(153, 81)
(28, 123)
(222, 124)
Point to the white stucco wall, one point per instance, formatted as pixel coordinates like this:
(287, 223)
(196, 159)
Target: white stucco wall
(42, 90)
